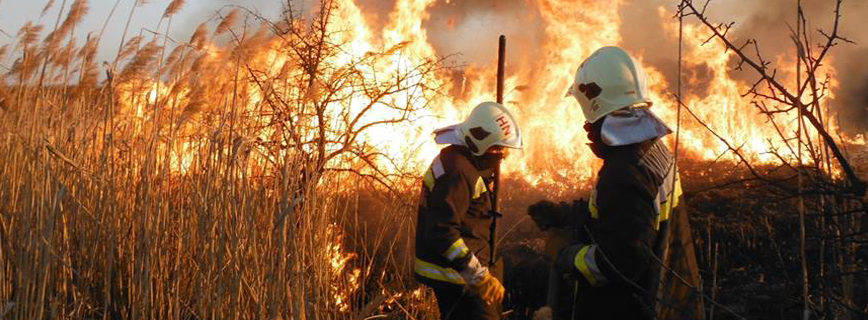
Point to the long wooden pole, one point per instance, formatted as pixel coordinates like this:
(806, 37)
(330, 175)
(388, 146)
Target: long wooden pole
(492, 240)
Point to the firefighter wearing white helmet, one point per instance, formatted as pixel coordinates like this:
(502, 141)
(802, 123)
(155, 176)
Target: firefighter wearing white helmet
(489, 124)
(455, 211)
(608, 80)
(619, 230)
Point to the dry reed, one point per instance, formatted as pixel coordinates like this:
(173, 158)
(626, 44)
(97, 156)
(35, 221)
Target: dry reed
(106, 213)
(47, 7)
(227, 22)
(173, 8)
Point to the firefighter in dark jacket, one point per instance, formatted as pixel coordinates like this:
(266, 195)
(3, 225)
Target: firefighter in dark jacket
(614, 244)
(455, 212)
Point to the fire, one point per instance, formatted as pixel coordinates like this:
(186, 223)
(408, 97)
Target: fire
(345, 280)
(555, 151)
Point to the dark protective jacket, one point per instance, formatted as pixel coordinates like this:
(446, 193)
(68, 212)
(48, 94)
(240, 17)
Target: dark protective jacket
(616, 262)
(454, 217)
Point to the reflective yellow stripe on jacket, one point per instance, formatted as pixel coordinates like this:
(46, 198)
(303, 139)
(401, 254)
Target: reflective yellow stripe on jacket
(433, 172)
(586, 263)
(436, 170)
(433, 271)
(663, 206)
(457, 250)
(666, 193)
(592, 204)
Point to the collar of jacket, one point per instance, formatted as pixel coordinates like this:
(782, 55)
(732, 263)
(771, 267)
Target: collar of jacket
(632, 152)
(484, 164)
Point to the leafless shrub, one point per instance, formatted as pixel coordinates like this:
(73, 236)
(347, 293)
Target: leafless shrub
(827, 194)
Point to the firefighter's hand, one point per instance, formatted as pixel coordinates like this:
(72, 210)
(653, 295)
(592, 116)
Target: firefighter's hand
(545, 214)
(490, 289)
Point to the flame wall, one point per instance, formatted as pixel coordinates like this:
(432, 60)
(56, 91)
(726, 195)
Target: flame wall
(546, 42)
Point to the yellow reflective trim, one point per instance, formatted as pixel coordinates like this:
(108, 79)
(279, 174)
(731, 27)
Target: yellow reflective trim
(433, 271)
(435, 170)
(583, 266)
(479, 188)
(672, 202)
(592, 205)
(429, 179)
(677, 194)
(457, 250)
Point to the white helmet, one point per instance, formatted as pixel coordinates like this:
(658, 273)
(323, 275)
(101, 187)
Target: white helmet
(608, 80)
(489, 124)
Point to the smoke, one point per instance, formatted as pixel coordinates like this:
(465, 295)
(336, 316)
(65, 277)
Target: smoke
(467, 30)
(767, 22)
(473, 27)
(851, 100)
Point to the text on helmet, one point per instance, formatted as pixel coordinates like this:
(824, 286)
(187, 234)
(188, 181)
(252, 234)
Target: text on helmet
(504, 124)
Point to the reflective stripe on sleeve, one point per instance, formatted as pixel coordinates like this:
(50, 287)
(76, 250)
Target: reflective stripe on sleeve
(433, 271)
(479, 188)
(587, 265)
(434, 171)
(429, 180)
(457, 250)
(668, 198)
(592, 204)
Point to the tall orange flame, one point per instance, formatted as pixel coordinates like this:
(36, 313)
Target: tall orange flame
(555, 151)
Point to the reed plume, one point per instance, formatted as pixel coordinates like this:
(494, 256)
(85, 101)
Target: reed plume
(227, 22)
(174, 56)
(199, 37)
(26, 66)
(141, 63)
(131, 46)
(88, 51)
(76, 14)
(62, 56)
(3, 50)
(47, 7)
(173, 8)
(28, 34)
(89, 71)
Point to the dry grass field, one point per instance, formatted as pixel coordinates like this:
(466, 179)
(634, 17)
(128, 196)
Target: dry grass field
(232, 175)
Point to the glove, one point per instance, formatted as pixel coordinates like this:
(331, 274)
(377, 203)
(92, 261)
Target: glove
(545, 214)
(544, 313)
(490, 289)
(480, 280)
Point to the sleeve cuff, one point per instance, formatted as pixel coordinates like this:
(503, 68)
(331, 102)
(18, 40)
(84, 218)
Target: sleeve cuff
(586, 263)
(473, 271)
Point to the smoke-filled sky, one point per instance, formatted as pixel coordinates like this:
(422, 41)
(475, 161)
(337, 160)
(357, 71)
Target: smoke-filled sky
(470, 28)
